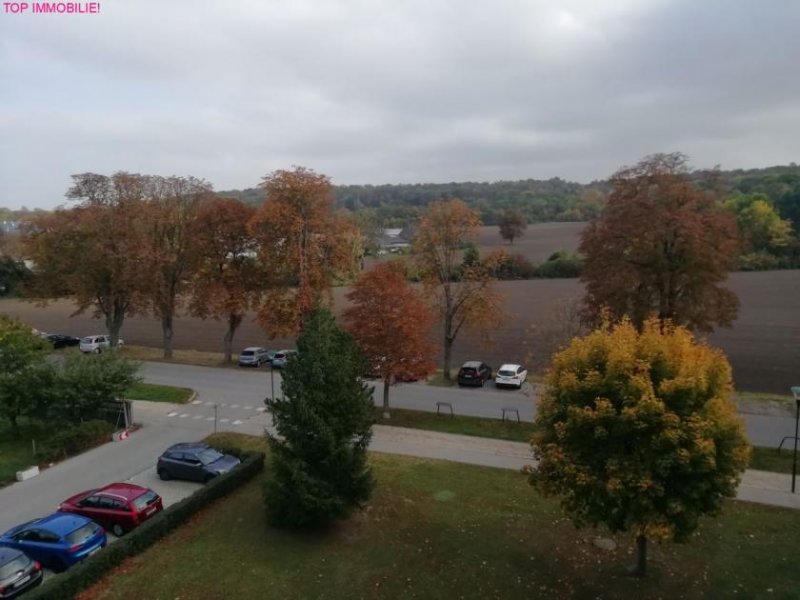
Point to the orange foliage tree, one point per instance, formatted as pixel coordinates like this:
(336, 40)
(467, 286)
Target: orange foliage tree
(92, 252)
(226, 279)
(463, 294)
(169, 250)
(661, 246)
(303, 246)
(391, 321)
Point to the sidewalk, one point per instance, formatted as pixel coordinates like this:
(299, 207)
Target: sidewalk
(762, 487)
(757, 486)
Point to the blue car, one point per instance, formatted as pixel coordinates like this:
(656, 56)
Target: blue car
(57, 541)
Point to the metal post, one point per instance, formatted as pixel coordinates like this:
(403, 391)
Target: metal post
(796, 394)
(272, 381)
(215, 418)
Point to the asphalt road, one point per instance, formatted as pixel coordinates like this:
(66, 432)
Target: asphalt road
(238, 393)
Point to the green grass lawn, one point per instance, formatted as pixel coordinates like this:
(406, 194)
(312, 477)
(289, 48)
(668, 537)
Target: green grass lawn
(770, 459)
(16, 452)
(477, 426)
(436, 529)
(159, 393)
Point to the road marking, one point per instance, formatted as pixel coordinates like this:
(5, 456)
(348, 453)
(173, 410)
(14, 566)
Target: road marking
(237, 422)
(209, 418)
(172, 414)
(261, 409)
(247, 408)
(209, 403)
(197, 402)
(184, 415)
(224, 420)
(234, 406)
(197, 417)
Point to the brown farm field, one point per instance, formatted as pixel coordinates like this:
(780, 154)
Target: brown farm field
(763, 345)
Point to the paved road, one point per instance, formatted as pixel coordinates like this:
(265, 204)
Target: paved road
(239, 392)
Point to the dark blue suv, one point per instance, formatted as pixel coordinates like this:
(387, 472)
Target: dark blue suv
(194, 461)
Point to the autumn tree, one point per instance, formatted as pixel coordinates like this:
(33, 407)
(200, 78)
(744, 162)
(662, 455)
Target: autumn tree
(92, 252)
(303, 247)
(512, 224)
(760, 225)
(637, 432)
(661, 246)
(462, 295)
(391, 322)
(226, 280)
(324, 425)
(172, 207)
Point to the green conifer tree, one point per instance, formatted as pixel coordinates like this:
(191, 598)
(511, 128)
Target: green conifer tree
(324, 425)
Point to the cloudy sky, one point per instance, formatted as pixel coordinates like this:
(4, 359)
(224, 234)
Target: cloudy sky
(397, 91)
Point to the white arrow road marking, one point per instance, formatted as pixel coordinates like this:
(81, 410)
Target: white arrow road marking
(172, 414)
(209, 418)
(197, 402)
(261, 409)
(184, 415)
(237, 422)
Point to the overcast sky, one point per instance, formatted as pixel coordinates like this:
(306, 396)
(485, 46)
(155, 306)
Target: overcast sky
(398, 91)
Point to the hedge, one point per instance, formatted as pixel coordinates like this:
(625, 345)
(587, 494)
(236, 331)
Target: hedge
(78, 438)
(94, 568)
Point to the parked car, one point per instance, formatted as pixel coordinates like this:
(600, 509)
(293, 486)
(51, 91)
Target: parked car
(255, 356)
(95, 344)
(119, 507)
(511, 375)
(18, 573)
(474, 372)
(281, 357)
(194, 461)
(57, 541)
(59, 340)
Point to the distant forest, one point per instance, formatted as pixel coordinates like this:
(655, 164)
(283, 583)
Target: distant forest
(549, 200)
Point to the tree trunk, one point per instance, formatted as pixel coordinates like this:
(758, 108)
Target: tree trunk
(234, 320)
(14, 425)
(448, 357)
(114, 320)
(386, 382)
(166, 329)
(640, 570)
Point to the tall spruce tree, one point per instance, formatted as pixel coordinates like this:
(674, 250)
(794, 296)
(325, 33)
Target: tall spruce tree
(324, 424)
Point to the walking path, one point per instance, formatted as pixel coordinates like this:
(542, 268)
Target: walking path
(757, 486)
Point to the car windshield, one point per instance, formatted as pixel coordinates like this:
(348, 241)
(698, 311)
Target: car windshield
(280, 355)
(82, 534)
(506, 373)
(17, 564)
(467, 370)
(87, 340)
(145, 499)
(209, 456)
(247, 353)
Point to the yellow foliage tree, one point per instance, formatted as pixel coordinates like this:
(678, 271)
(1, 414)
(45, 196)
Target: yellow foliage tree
(637, 432)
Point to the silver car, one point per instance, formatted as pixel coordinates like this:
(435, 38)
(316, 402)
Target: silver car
(254, 356)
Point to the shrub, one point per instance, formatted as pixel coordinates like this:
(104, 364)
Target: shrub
(759, 261)
(560, 265)
(92, 569)
(79, 438)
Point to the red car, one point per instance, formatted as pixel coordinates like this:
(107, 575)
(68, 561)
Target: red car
(119, 507)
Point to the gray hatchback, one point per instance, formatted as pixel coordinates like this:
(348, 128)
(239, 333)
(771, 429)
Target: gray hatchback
(194, 461)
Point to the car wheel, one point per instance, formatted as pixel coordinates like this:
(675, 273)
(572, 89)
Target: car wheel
(117, 530)
(96, 351)
(164, 475)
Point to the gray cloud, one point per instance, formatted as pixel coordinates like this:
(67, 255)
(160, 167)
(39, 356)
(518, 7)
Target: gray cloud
(378, 91)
